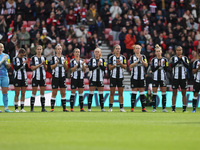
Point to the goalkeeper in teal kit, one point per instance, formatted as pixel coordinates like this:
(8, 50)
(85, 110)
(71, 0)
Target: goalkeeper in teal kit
(4, 79)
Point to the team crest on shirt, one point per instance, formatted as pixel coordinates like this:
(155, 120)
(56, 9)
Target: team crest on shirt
(33, 84)
(53, 86)
(111, 84)
(72, 86)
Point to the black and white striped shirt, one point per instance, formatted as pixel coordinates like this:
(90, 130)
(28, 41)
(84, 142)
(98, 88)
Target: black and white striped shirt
(179, 67)
(197, 74)
(39, 73)
(96, 72)
(138, 72)
(59, 70)
(19, 68)
(118, 71)
(159, 72)
(78, 73)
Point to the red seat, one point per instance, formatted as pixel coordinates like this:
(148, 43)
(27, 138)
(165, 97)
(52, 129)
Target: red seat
(28, 29)
(48, 88)
(68, 87)
(31, 23)
(29, 63)
(105, 81)
(11, 87)
(25, 24)
(29, 81)
(68, 81)
(48, 75)
(110, 38)
(116, 42)
(29, 88)
(86, 88)
(106, 36)
(29, 75)
(87, 61)
(111, 43)
(86, 81)
(48, 81)
(106, 88)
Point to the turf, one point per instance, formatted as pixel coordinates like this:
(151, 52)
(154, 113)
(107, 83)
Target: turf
(99, 130)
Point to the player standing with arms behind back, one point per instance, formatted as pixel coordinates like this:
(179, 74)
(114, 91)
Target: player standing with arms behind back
(97, 66)
(138, 63)
(4, 79)
(20, 78)
(159, 66)
(179, 64)
(77, 78)
(117, 64)
(58, 66)
(38, 66)
(196, 89)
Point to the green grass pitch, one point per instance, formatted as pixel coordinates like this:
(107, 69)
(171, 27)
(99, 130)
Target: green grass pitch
(100, 130)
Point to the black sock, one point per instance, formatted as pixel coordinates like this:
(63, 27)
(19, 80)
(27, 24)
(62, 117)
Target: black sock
(42, 100)
(164, 101)
(184, 107)
(22, 105)
(32, 102)
(133, 98)
(121, 106)
(173, 107)
(72, 101)
(110, 105)
(16, 105)
(63, 101)
(90, 101)
(53, 101)
(194, 103)
(81, 101)
(154, 101)
(101, 100)
(142, 100)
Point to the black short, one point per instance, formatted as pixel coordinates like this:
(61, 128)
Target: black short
(96, 84)
(196, 87)
(58, 82)
(77, 83)
(36, 83)
(138, 83)
(158, 83)
(179, 82)
(116, 82)
(20, 83)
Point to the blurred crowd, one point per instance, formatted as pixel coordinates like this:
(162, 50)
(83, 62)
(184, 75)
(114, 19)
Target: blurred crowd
(81, 23)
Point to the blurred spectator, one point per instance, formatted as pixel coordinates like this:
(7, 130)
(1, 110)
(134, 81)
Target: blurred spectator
(115, 9)
(18, 23)
(83, 13)
(83, 48)
(192, 25)
(3, 25)
(105, 14)
(10, 47)
(71, 32)
(70, 18)
(99, 28)
(130, 40)
(81, 33)
(122, 36)
(187, 15)
(52, 21)
(62, 33)
(149, 52)
(148, 98)
(104, 3)
(11, 6)
(24, 37)
(49, 53)
(60, 16)
(116, 25)
(142, 41)
(20, 7)
(171, 41)
(193, 8)
(91, 18)
(33, 33)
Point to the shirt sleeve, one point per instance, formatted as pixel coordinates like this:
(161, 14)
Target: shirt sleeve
(32, 63)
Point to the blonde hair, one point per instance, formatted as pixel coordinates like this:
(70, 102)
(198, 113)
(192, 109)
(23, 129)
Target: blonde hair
(158, 47)
(76, 49)
(58, 45)
(39, 46)
(2, 46)
(99, 50)
(136, 45)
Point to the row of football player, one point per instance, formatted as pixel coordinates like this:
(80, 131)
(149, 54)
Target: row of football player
(97, 65)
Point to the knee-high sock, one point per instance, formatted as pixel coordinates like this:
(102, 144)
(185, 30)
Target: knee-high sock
(142, 99)
(154, 100)
(164, 101)
(53, 101)
(32, 101)
(90, 99)
(81, 100)
(42, 100)
(101, 99)
(72, 100)
(5, 100)
(194, 102)
(63, 101)
(133, 99)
